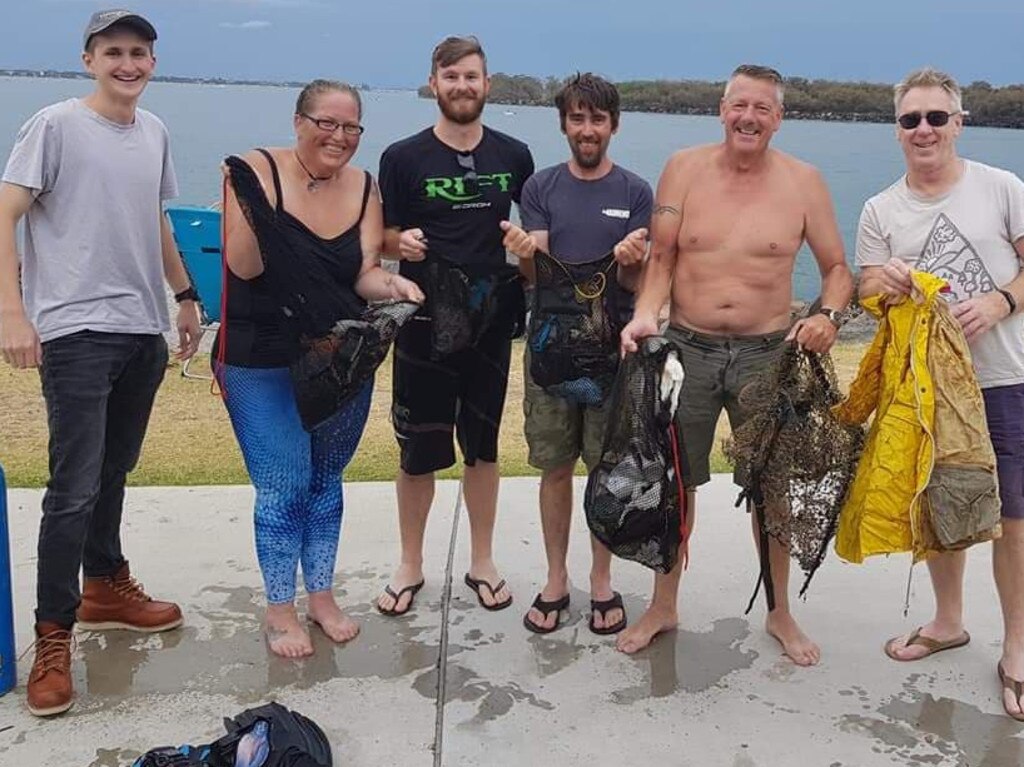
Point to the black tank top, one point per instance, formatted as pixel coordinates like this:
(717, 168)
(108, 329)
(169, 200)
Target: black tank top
(258, 333)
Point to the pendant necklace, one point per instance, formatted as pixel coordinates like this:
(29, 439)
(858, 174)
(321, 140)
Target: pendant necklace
(314, 181)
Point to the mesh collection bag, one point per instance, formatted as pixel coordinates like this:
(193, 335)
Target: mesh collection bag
(333, 368)
(797, 459)
(266, 736)
(574, 328)
(634, 500)
(342, 341)
(465, 301)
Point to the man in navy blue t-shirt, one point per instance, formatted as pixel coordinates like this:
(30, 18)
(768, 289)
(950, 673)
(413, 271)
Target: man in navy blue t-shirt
(589, 217)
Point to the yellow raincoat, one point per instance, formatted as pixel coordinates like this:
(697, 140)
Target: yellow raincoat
(926, 481)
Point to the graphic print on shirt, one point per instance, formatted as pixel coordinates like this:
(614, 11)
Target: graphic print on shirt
(466, 191)
(949, 255)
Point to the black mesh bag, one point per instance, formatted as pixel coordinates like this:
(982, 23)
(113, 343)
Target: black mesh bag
(574, 328)
(634, 500)
(796, 458)
(466, 301)
(342, 341)
(333, 368)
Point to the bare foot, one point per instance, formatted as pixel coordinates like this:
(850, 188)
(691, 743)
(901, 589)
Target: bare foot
(487, 572)
(286, 634)
(325, 613)
(405, 576)
(899, 647)
(640, 635)
(795, 643)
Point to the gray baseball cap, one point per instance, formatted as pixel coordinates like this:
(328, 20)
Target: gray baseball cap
(102, 20)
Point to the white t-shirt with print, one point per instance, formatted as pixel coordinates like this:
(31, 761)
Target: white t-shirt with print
(967, 237)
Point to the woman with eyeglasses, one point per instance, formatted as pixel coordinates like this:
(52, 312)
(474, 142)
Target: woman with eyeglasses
(324, 214)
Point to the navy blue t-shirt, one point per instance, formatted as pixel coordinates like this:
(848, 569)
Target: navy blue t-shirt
(423, 185)
(585, 219)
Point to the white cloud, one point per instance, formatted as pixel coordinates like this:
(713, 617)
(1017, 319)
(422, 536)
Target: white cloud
(251, 24)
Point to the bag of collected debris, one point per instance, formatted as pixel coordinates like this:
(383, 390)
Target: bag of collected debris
(798, 459)
(634, 501)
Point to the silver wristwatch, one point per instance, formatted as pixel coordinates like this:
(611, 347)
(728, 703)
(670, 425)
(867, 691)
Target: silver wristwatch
(834, 316)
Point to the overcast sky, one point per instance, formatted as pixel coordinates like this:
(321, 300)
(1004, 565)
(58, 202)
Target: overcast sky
(388, 42)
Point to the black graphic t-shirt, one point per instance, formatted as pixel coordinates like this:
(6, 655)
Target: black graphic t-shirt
(967, 237)
(456, 198)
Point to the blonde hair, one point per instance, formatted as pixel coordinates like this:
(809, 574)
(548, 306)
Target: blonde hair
(929, 78)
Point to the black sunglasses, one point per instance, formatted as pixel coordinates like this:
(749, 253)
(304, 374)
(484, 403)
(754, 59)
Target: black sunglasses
(936, 118)
(469, 179)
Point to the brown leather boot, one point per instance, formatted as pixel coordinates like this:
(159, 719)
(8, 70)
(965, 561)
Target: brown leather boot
(118, 602)
(49, 683)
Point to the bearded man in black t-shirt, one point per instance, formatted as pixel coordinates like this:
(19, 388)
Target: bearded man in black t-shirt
(447, 192)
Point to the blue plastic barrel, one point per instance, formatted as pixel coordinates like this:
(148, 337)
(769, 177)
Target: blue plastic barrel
(8, 662)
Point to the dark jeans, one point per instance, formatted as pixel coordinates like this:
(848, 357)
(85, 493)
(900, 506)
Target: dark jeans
(99, 390)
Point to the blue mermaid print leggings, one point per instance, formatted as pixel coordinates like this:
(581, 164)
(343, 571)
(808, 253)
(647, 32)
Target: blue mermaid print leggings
(296, 474)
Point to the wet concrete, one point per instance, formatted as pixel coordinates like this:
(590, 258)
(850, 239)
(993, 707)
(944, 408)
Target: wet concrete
(715, 692)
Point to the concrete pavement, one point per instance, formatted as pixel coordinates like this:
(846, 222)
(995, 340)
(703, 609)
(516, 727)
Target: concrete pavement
(715, 693)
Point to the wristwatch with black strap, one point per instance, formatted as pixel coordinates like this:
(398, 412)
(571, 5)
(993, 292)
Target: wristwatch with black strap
(1009, 299)
(188, 294)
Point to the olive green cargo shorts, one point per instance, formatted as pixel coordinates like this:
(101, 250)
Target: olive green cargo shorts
(716, 369)
(558, 431)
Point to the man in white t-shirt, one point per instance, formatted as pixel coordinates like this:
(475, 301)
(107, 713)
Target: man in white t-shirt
(89, 177)
(963, 221)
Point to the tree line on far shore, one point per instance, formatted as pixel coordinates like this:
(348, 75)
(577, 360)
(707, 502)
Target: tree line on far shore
(1001, 107)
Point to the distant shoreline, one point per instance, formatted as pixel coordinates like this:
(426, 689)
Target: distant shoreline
(990, 107)
(827, 100)
(54, 74)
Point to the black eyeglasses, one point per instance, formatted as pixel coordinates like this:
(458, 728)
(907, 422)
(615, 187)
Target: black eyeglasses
(936, 118)
(327, 125)
(469, 179)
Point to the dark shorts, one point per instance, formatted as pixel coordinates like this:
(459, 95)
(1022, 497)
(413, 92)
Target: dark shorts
(462, 393)
(716, 369)
(1004, 411)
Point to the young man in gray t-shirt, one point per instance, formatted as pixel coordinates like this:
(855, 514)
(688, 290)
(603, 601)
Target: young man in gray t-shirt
(579, 212)
(89, 177)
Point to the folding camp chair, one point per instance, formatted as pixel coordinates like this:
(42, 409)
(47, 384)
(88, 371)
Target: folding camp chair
(197, 235)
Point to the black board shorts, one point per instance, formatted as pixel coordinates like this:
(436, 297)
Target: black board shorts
(461, 394)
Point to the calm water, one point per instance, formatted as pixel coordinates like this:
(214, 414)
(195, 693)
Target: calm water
(209, 122)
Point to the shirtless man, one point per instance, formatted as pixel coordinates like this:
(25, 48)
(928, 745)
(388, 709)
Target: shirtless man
(728, 221)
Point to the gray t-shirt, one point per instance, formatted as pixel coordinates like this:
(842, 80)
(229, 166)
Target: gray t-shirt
(584, 219)
(966, 237)
(92, 258)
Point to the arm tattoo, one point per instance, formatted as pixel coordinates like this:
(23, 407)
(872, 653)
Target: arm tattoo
(659, 210)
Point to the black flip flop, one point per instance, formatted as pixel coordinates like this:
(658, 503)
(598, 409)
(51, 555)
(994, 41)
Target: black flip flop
(476, 585)
(546, 608)
(412, 590)
(604, 607)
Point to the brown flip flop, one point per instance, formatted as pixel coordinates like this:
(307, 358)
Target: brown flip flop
(932, 645)
(1016, 687)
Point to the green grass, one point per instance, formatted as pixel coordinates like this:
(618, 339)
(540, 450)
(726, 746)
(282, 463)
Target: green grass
(190, 441)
